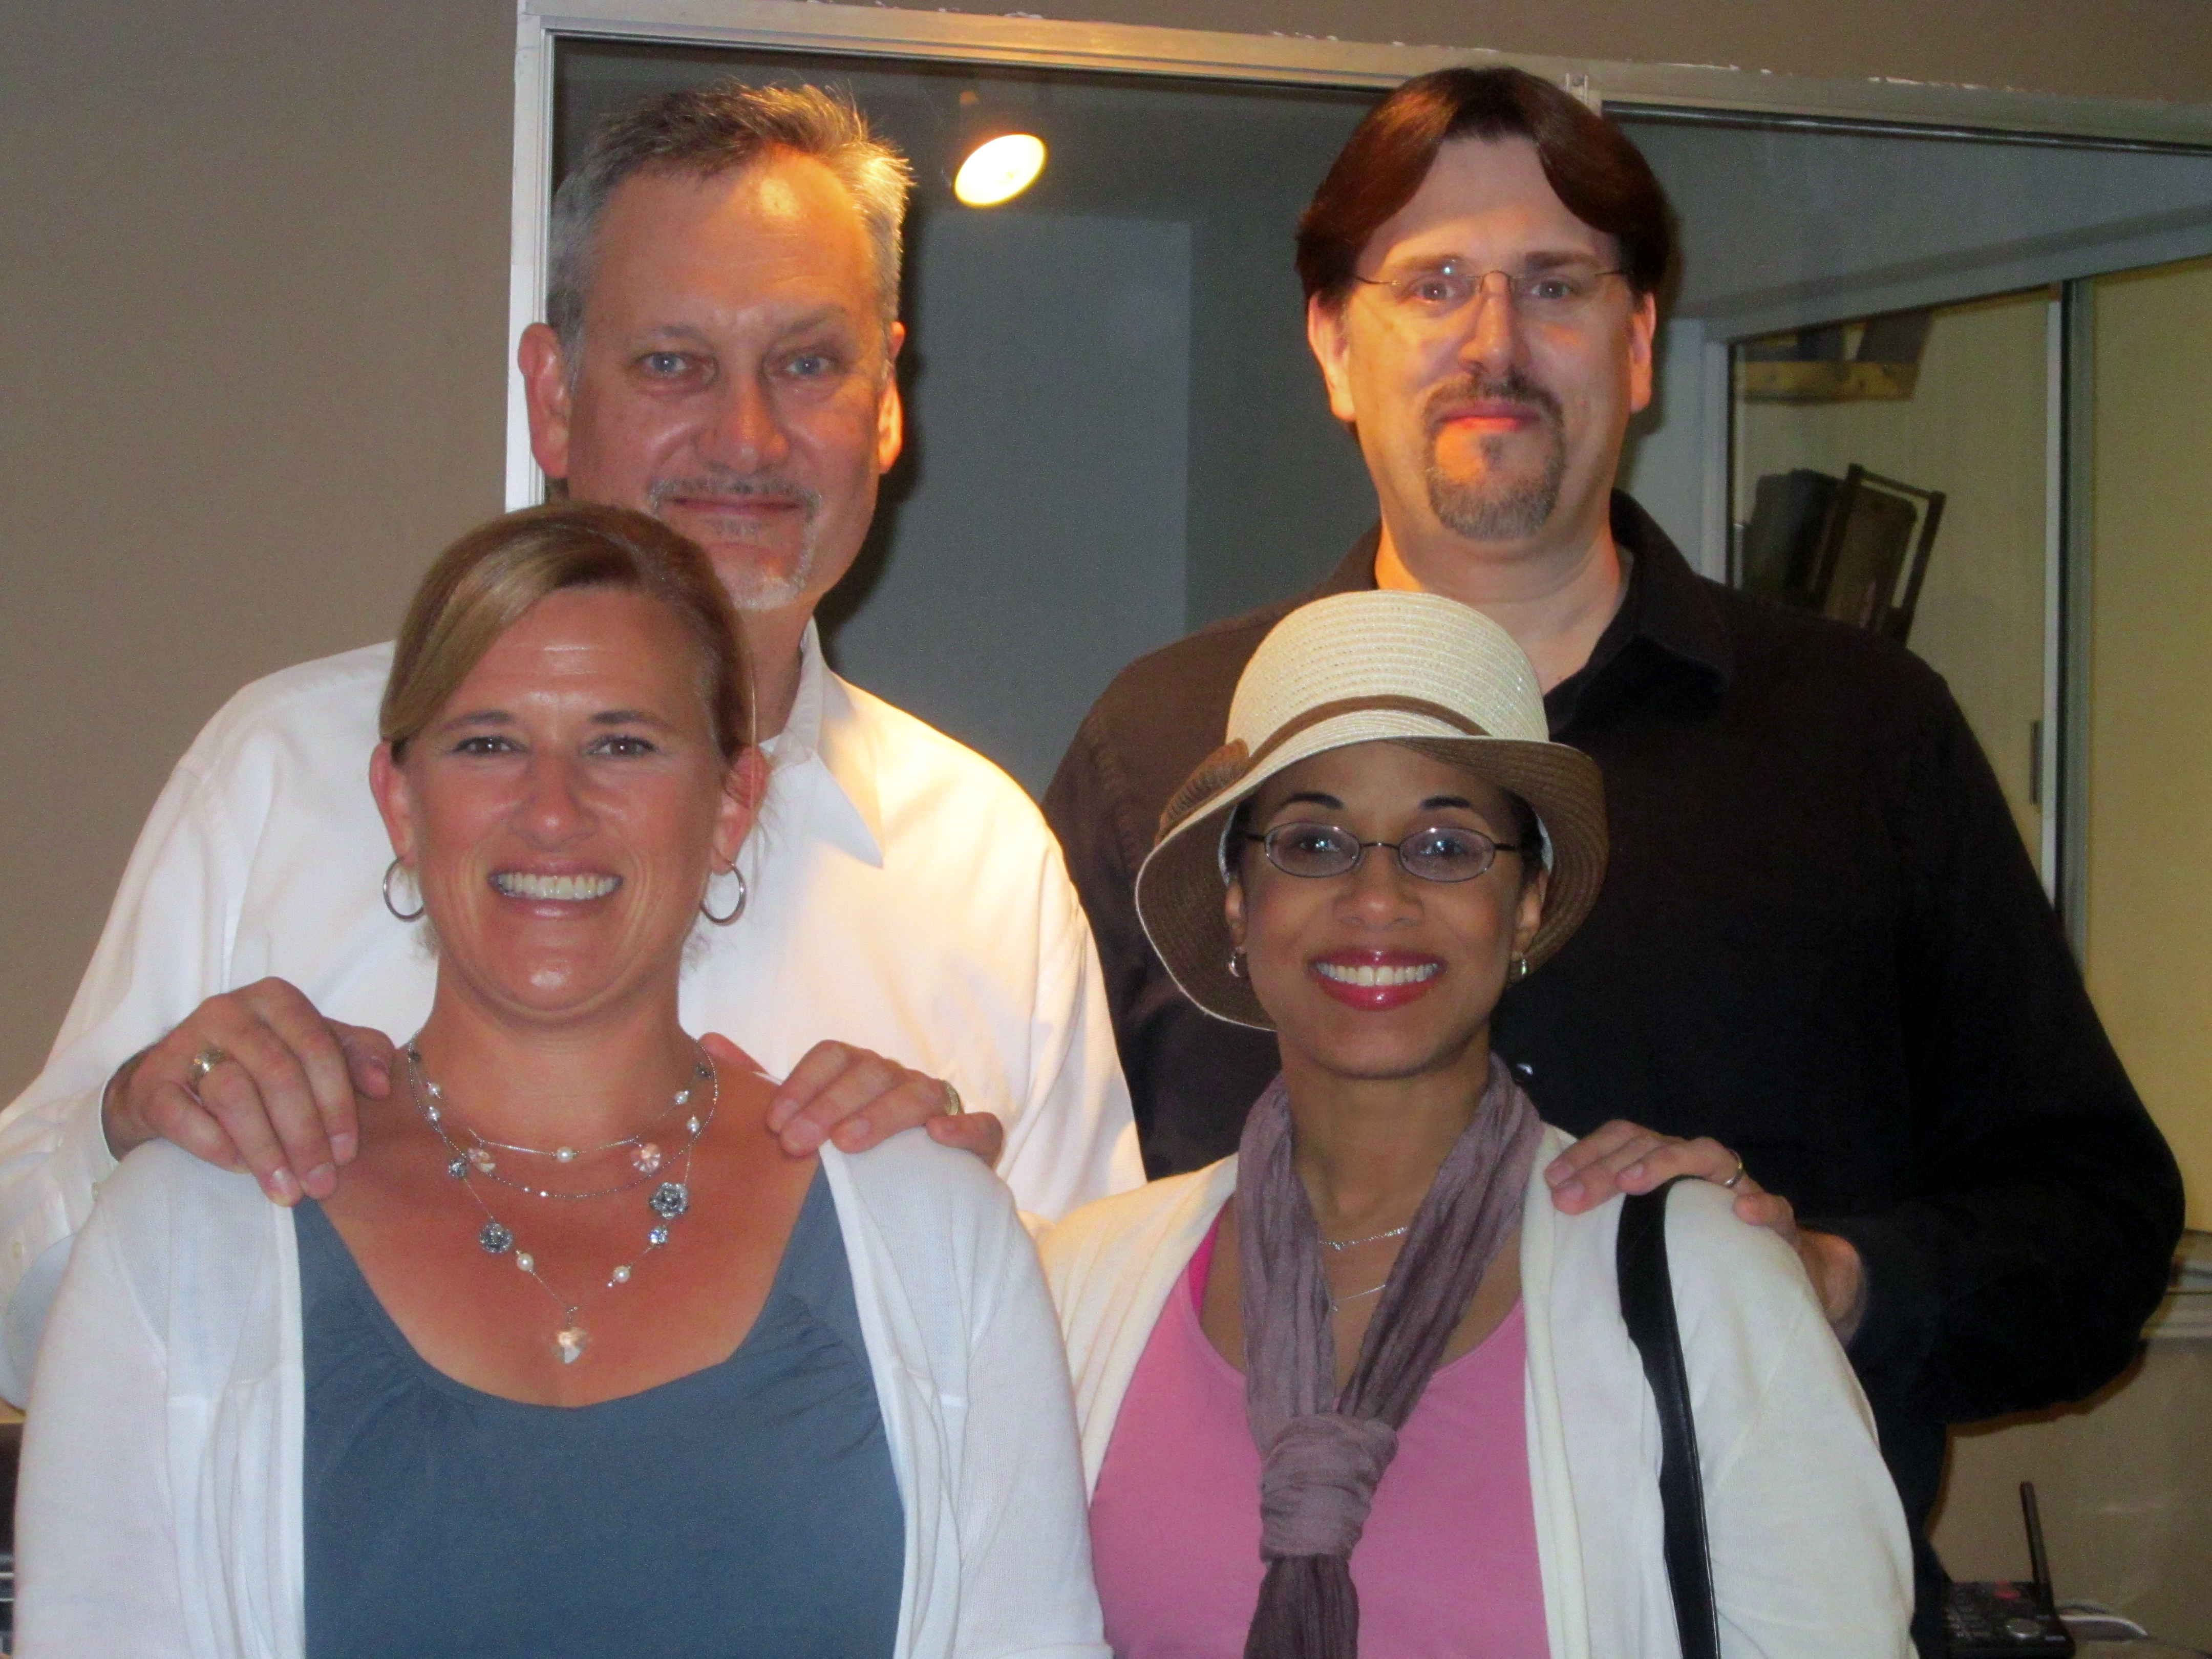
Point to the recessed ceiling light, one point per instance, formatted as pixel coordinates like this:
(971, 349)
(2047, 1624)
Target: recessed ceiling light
(999, 169)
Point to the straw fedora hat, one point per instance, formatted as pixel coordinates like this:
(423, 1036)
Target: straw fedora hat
(1387, 666)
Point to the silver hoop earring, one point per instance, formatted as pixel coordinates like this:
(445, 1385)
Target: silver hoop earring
(1237, 965)
(736, 909)
(390, 870)
(1520, 968)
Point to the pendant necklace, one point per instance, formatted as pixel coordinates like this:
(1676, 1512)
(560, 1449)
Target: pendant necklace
(1337, 1302)
(668, 1200)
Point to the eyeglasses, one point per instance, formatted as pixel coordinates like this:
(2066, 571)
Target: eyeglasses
(1438, 293)
(1317, 851)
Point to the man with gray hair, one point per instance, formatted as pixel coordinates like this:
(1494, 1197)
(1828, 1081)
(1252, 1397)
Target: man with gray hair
(721, 353)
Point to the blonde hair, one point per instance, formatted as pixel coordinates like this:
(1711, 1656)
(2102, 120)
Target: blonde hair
(482, 585)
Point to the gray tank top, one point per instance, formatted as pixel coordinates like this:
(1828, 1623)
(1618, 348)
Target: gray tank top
(747, 1509)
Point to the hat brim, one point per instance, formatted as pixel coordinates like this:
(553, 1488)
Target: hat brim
(1179, 887)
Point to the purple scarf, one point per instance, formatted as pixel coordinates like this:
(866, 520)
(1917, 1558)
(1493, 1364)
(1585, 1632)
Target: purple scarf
(1321, 1460)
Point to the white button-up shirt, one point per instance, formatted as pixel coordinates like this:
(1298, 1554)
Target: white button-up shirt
(905, 895)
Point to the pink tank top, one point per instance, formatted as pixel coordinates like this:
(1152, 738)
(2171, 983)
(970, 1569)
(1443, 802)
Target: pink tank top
(1447, 1566)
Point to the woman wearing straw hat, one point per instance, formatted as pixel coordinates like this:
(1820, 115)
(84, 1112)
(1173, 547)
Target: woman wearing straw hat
(1433, 1360)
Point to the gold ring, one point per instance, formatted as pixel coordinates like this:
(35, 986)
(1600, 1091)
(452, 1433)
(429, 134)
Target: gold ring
(202, 1063)
(1730, 1183)
(952, 1106)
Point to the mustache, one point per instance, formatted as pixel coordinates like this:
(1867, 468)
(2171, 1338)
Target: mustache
(1514, 387)
(718, 482)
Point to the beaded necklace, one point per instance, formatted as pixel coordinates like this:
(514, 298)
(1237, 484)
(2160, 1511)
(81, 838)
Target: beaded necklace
(668, 1200)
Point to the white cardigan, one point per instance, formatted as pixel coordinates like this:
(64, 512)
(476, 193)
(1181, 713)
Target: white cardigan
(160, 1505)
(1810, 1560)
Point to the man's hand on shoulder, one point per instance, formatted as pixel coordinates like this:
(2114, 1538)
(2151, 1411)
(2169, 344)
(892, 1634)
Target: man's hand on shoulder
(858, 1099)
(253, 1079)
(1625, 1157)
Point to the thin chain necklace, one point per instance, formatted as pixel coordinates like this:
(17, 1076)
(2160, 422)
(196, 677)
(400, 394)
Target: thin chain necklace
(645, 1156)
(1336, 1303)
(570, 1154)
(669, 1200)
(1371, 1239)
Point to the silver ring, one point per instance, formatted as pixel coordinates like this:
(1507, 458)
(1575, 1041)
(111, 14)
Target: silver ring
(202, 1063)
(953, 1108)
(1730, 1183)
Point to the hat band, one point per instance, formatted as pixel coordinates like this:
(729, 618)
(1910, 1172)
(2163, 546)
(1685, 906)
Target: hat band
(1232, 762)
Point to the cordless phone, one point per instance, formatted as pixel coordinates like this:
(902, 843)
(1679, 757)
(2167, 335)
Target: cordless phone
(2007, 1619)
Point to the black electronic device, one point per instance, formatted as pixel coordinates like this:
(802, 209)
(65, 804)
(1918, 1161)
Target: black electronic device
(2010, 1620)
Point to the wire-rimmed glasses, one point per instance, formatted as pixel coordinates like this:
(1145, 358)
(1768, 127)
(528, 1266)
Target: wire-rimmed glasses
(1439, 292)
(1314, 852)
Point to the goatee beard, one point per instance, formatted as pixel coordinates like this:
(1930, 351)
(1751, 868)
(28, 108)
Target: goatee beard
(1492, 508)
(757, 591)
(752, 589)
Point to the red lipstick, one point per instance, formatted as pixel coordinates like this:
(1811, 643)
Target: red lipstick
(1375, 981)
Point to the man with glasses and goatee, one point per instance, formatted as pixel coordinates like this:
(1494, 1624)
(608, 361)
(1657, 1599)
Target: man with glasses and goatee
(1822, 970)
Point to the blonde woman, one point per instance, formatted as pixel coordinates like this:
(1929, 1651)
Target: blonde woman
(1361, 1388)
(577, 1360)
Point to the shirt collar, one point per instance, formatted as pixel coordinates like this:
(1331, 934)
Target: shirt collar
(1675, 608)
(1668, 625)
(826, 725)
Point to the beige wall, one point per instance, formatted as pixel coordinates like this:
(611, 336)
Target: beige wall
(2150, 701)
(1974, 427)
(2124, 1485)
(254, 312)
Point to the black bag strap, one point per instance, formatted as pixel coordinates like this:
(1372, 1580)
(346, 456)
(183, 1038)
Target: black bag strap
(1647, 1303)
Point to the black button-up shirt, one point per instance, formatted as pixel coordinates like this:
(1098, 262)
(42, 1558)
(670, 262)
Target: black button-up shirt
(1821, 941)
